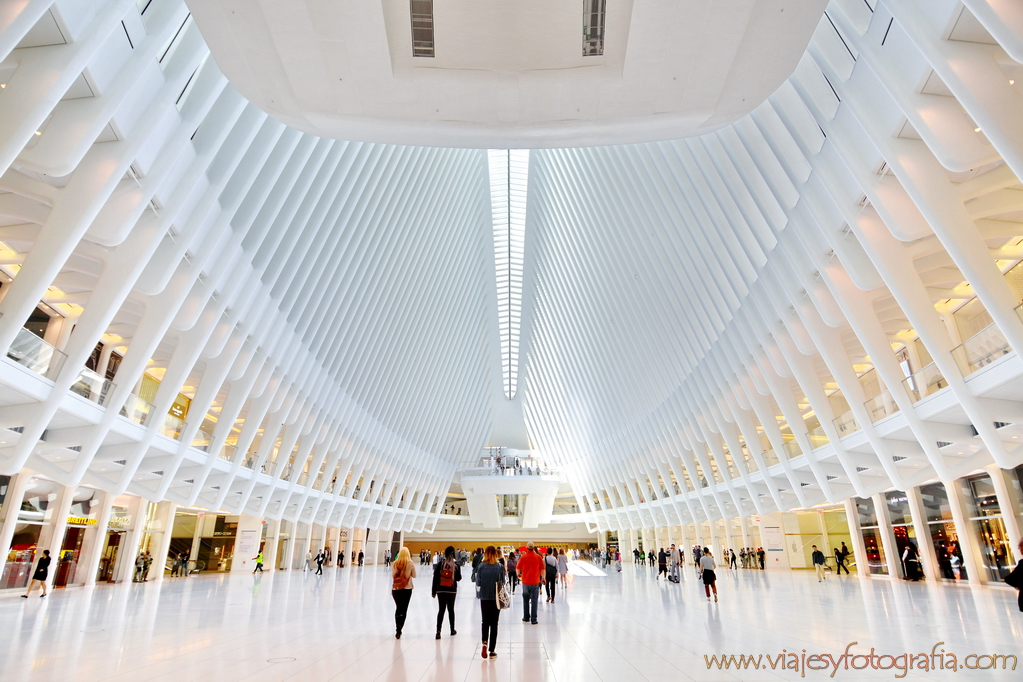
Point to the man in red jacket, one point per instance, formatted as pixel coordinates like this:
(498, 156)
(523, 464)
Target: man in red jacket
(530, 569)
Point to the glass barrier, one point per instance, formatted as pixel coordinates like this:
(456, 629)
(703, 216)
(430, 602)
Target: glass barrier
(172, 427)
(202, 440)
(751, 464)
(268, 468)
(926, 381)
(818, 438)
(92, 386)
(846, 424)
(792, 449)
(771, 458)
(227, 452)
(881, 406)
(31, 351)
(136, 409)
(981, 349)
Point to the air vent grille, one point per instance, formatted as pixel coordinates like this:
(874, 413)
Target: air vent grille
(859, 469)
(422, 28)
(943, 444)
(122, 462)
(898, 458)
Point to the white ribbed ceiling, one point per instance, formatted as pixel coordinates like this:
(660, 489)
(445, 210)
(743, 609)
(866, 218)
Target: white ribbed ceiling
(711, 326)
(509, 74)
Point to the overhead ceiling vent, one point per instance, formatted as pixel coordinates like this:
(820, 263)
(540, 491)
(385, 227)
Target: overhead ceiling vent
(593, 27)
(898, 458)
(859, 469)
(422, 28)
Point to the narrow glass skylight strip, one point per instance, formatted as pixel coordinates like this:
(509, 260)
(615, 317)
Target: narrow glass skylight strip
(509, 176)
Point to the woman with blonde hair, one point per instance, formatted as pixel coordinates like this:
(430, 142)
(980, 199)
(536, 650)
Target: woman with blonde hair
(563, 568)
(402, 573)
(489, 575)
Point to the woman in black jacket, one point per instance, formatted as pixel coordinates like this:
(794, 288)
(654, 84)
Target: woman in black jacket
(446, 574)
(42, 570)
(489, 575)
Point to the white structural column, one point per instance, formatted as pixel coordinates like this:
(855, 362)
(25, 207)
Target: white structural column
(924, 543)
(859, 549)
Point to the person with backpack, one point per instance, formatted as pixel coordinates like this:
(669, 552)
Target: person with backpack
(550, 574)
(662, 563)
(446, 575)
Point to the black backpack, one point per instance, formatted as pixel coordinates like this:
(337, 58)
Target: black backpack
(552, 570)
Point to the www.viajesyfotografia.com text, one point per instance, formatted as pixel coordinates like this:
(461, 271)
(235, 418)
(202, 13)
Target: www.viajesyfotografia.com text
(853, 659)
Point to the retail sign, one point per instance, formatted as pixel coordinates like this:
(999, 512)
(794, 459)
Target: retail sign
(248, 546)
(773, 539)
(119, 521)
(80, 521)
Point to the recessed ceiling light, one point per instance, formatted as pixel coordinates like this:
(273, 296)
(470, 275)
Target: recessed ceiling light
(39, 132)
(976, 130)
(1011, 82)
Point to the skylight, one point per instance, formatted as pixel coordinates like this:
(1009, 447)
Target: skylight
(422, 28)
(593, 27)
(509, 173)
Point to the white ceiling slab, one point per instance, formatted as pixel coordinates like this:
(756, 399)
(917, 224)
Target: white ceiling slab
(507, 75)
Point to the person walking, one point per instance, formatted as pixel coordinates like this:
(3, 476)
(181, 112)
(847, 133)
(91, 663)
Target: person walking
(362, 557)
(674, 559)
(319, 563)
(446, 575)
(707, 566)
(662, 564)
(513, 576)
(140, 566)
(550, 574)
(259, 563)
(308, 562)
(402, 573)
(618, 560)
(761, 557)
(387, 557)
(733, 564)
(563, 568)
(844, 554)
(817, 557)
(530, 568)
(840, 562)
(42, 571)
(911, 563)
(489, 579)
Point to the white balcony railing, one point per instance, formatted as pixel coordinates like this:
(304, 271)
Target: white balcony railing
(926, 381)
(92, 386)
(981, 349)
(137, 409)
(202, 440)
(31, 351)
(881, 406)
(846, 424)
(172, 426)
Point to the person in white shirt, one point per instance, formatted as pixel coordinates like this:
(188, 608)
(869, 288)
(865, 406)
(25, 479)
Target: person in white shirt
(707, 566)
(673, 561)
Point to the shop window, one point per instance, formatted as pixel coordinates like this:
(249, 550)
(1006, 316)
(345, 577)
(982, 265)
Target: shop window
(986, 517)
(944, 537)
(870, 530)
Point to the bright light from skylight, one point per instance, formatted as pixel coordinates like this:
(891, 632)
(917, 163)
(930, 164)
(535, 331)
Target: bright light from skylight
(509, 173)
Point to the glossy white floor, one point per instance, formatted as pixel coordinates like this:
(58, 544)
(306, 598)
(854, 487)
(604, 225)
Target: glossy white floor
(622, 627)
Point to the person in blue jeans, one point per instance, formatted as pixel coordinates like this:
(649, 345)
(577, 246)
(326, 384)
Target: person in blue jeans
(531, 571)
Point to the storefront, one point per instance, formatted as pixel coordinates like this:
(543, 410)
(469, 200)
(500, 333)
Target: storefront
(78, 537)
(871, 531)
(901, 520)
(32, 527)
(985, 515)
(942, 529)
